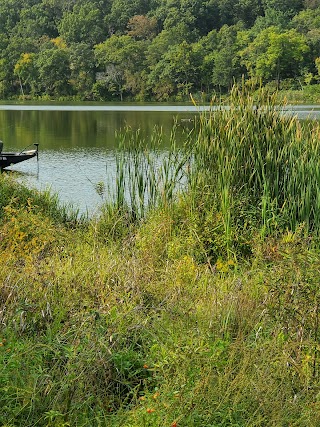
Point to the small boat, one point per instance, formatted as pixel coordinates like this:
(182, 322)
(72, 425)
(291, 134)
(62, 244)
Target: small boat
(8, 159)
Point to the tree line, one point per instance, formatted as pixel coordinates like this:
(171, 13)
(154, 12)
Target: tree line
(154, 49)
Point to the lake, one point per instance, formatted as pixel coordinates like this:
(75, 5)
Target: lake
(78, 142)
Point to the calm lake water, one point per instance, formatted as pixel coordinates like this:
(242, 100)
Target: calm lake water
(77, 142)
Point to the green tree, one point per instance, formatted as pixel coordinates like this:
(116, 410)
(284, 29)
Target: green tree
(290, 7)
(207, 46)
(271, 18)
(9, 14)
(83, 24)
(232, 11)
(36, 21)
(16, 46)
(199, 17)
(26, 71)
(165, 40)
(82, 68)
(306, 20)
(177, 72)
(226, 62)
(274, 55)
(53, 67)
(5, 82)
(121, 59)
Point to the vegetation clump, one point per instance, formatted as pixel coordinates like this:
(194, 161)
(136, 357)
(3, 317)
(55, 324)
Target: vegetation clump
(203, 312)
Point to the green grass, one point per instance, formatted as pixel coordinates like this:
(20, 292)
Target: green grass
(202, 310)
(306, 95)
(44, 202)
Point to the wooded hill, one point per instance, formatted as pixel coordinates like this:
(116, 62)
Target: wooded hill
(155, 49)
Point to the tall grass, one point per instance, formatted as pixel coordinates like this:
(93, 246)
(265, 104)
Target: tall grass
(146, 176)
(248, 165)
(254, 153)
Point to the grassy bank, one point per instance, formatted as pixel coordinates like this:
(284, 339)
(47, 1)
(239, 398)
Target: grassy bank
(306, 95)
(200, 311)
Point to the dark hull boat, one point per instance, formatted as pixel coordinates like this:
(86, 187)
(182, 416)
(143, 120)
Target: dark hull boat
(8, 159)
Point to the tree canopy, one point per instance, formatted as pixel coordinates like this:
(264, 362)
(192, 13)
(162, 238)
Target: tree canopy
(154, 49)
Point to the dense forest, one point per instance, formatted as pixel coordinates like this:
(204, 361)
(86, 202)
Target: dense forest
(155, 49)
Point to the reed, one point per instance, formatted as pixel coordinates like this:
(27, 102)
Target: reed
(252, 151)
(146, 177)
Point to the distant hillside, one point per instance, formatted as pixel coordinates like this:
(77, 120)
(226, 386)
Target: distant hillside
(155, 49)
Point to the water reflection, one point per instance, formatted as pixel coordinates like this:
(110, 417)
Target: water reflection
(56, 130)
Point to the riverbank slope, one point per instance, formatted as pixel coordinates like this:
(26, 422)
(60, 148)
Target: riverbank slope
(203, 312)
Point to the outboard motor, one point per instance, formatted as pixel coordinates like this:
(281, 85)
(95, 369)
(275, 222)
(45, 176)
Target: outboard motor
(1, 146)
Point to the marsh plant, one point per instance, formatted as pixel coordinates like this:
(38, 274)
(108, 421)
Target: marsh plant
(251, 153)
(146, 176)
(247, 168)
(247, 163)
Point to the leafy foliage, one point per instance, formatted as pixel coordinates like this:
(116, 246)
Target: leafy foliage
(275, 41)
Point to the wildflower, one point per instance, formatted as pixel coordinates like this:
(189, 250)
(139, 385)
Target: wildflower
(174, 424)
(150, 410)
(145, 366)
(142, 398)
(157, 394)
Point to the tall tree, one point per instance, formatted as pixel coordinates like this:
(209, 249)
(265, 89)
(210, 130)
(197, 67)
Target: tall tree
(274, 55)
(141, 27)
(26, 71)
(54, 71)
(311, 4)
(122, 11)
(180, 65)
(290, 7)
(226, 62)
(83, 24)
(9, 14)
(36, 21)
(121, 59)
(82, 68)
(232, 11)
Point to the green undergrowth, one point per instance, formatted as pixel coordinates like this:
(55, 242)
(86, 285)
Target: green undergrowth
(44, 202)
(143, 330)
(306, 95)
(196, 313)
